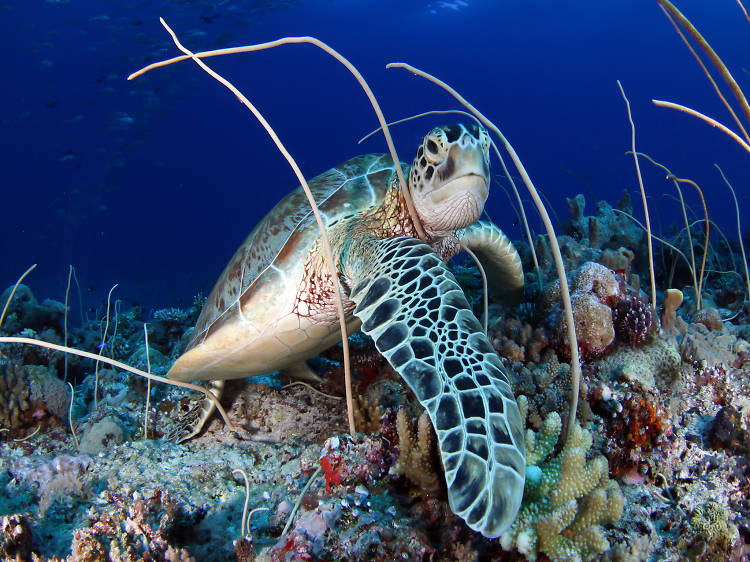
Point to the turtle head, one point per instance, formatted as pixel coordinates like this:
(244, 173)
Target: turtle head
(449, 179)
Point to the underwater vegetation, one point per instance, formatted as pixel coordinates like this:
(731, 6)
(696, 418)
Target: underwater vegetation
(604, 416)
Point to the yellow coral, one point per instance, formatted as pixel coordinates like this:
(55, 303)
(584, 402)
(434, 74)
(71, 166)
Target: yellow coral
(711, 523)
(415, 458)
(540, 445)
(577, 477)
(566, 500)
(367, 414)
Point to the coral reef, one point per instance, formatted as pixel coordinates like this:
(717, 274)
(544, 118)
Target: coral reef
(30, 395)
(61, 478)
(25, 311)
(656, 365)
(665, 418)
(546, 388)
(635, 320)
(567, 498)
(15, 537)
(702, 345)
(519, 341)
(137, 528)
(672, 301)
(711, 535)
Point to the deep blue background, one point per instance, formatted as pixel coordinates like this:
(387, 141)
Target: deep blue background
(153, 183)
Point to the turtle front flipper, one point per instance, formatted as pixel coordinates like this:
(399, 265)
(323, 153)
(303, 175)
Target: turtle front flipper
(420, 321)
(499, 258)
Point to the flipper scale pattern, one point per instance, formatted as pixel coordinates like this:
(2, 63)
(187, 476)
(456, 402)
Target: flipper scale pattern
(420, 320)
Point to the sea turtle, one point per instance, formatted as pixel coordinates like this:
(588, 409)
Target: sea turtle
(273, 308)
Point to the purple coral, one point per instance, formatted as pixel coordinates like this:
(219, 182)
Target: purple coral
(634, 320)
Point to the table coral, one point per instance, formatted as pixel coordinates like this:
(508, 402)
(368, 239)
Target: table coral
(567, 498)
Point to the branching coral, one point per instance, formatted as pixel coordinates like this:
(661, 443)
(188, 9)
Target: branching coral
(415, 458)
(545, 386)
(519, 341)
(567, 498)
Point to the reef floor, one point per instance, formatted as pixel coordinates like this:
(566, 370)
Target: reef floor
(656, 468)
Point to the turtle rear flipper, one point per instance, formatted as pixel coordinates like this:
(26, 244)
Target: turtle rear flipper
(302, 372)
(191, 422)
(420, 321)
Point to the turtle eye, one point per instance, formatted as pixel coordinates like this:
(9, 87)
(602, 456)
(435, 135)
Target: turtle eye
(432, 149)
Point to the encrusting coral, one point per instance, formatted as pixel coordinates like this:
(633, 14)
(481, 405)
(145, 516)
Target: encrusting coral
(30, 394)
(711, 531)
(656, 365)
(567, 498)
(595, 293)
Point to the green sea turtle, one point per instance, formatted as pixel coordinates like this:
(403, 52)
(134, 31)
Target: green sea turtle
(273, 306)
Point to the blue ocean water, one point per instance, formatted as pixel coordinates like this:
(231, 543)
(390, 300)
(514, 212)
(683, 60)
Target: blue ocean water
(153, 183)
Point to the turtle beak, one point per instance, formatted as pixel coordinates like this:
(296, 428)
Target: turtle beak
(472, 184)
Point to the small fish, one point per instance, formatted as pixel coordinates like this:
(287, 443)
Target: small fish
(125, 119)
